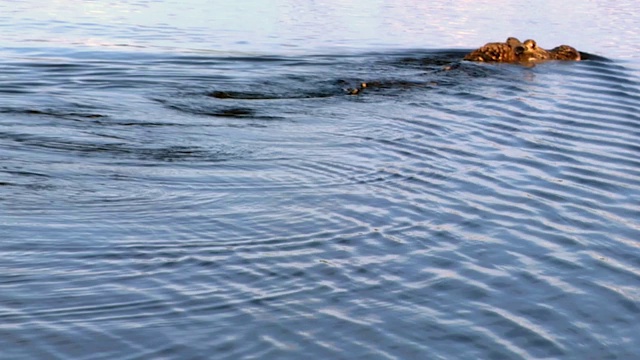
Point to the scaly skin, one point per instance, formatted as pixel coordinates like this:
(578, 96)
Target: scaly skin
(509, 51)
(565, 52)
(514, 51)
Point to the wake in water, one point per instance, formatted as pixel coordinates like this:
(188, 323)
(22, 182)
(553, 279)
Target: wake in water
(381, 74)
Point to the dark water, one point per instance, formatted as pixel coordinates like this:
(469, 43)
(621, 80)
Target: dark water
(192, 205)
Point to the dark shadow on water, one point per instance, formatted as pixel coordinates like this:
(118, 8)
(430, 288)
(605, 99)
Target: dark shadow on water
(594, 57)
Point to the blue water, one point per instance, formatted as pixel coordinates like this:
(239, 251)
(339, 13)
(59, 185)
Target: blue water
(192, 180)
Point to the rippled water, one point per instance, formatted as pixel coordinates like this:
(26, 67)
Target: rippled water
(182, 180)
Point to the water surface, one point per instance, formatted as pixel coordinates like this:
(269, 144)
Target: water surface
(193, 180)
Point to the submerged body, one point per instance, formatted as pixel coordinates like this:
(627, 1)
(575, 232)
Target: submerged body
(527, 53)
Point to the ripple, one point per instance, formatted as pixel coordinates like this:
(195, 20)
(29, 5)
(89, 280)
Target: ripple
(163, 201)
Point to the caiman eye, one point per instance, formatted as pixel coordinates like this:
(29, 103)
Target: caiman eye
(519, 49)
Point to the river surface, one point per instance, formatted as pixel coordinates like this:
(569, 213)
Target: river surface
(192, 180)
